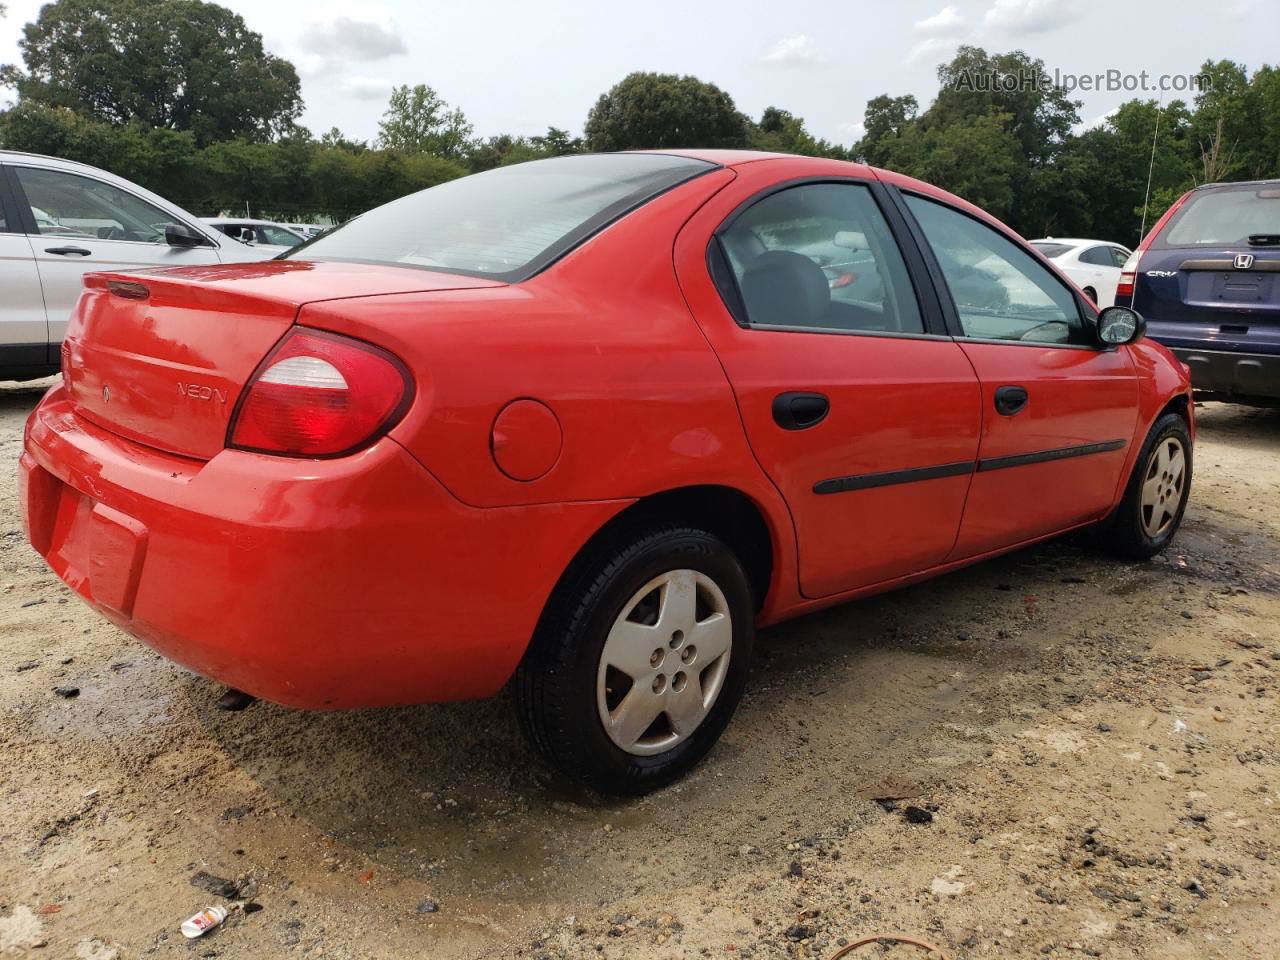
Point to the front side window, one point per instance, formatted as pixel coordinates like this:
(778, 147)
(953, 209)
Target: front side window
(69, 205)
(1119, 256)
(506, 223)
(820, 255)
(1000, 291)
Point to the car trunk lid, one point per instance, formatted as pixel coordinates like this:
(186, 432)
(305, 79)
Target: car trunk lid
(160, 357)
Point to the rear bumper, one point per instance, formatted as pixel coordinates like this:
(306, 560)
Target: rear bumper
(1232, 375)
(340, 583)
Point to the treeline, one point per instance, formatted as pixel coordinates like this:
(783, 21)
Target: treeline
(211, 123)
(1015, 151)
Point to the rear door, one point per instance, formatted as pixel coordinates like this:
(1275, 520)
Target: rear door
(1058, 412)
(78, 224)
(1098, 264)
(24, 330)
(855, 401)
(1210, 278)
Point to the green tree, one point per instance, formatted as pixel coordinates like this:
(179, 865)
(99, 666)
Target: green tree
(656, 110)
(886, 119)
(780, 131)
(977, 160)
(175, 64)
(557, 143)
(417, 120)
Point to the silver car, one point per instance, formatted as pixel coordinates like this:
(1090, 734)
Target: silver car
(60, 220)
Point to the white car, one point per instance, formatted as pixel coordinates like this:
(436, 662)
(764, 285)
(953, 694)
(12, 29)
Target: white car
(1094, 265)
(264, 235)
(60, 220)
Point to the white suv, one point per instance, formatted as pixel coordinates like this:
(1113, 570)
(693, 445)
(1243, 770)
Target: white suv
(60, 220)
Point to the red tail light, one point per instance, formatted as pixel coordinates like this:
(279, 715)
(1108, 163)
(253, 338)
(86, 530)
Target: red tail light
(320, 395)
(1124, 288)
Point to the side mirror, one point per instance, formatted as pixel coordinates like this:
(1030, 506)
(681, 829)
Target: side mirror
(180, 235)
(1118, 325)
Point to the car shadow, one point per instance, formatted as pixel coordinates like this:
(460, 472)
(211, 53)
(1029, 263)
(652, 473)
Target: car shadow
(451, 794)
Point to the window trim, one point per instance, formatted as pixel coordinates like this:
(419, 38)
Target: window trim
(31, 229)
(1088, 315)
(723, 276)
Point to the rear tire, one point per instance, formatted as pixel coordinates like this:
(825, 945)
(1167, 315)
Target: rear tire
(1155, 497)
(639, 660)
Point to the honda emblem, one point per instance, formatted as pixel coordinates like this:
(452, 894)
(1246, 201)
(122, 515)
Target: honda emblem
(1244, 261)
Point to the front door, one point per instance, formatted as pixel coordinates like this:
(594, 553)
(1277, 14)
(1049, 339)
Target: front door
(861, 411)
(82, 224)
(1058, 410)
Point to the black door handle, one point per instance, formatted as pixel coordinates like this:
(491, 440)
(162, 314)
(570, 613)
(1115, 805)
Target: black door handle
(68, 251)
(799, 411)
(1009, 400)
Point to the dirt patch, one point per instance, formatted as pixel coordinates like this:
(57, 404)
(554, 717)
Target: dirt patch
(1091, 752)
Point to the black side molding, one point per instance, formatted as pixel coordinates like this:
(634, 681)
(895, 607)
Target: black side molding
(867, 481)
(1044, 456)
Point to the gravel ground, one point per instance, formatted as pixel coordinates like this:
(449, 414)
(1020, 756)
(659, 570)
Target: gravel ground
(1048, 755)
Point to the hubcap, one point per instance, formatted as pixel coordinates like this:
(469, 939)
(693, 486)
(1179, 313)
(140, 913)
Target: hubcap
(1162, 486)
(664, 662)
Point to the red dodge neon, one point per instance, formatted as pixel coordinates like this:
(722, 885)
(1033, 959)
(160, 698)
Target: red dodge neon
(587, 422)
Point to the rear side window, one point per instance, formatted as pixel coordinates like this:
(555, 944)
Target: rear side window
(819, 256)
(1223, 217)
(506, 223)
(1000, 291)
(1119, 256)
(1098, 256)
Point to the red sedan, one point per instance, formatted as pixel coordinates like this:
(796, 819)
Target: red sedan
(587, 422)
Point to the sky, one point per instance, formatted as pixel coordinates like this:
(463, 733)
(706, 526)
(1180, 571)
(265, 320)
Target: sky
(521, 67)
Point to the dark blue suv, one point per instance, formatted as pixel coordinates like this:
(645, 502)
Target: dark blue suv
(1207, 280)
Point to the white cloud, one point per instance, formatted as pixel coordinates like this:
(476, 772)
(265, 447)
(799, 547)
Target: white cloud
(852, 132)
(1032, 16)
(367, 88)
(947, 22)
(1095, 121)
(797, 51)
(343, 38)
(936, 48)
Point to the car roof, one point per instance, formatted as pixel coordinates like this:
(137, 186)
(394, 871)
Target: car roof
(1236, 183)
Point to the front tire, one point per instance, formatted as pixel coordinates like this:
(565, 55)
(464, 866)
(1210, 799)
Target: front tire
(1156, 495)
(640, 660)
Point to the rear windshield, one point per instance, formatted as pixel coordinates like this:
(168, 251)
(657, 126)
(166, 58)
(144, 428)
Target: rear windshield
(1051, 250)
(507, 223)
(1223, 217)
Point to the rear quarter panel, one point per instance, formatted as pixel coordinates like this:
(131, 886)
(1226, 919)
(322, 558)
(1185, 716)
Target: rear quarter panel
(605, 339)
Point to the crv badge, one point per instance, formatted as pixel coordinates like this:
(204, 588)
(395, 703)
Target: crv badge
(1244, 261)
